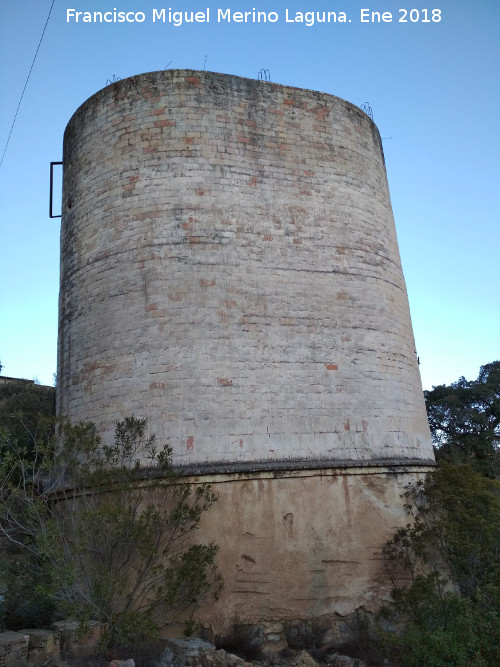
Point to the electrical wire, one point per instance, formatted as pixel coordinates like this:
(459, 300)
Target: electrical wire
(26, 82)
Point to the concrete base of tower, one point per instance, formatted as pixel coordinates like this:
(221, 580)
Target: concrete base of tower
(303, 544)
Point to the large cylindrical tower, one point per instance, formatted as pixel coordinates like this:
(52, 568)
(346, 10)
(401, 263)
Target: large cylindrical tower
(230, 270)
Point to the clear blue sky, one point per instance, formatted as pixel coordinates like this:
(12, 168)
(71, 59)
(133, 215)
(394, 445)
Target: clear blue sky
(435, 95)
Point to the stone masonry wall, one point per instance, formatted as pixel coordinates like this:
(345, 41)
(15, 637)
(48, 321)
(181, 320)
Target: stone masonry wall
(230, 270)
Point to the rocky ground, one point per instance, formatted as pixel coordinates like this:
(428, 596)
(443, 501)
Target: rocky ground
(199, 653)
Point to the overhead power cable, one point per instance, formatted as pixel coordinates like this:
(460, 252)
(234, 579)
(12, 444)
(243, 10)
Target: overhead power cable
(26, 82)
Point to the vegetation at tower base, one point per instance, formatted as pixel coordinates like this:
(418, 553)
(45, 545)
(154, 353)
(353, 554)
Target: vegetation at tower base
(27, 417)
(445, 567)
(445, 564)
(97, 535)
(464, 419)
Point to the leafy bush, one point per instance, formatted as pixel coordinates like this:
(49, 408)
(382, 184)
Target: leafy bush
(22, 604)
(445, 568)
(27, 416)
(27, 412)
(107, 537)
(464, 635)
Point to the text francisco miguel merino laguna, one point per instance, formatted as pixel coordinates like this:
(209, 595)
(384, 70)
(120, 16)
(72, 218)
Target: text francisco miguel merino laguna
(177, 18)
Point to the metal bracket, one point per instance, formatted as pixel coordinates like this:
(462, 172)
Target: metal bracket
(367, 109)
(51, 188)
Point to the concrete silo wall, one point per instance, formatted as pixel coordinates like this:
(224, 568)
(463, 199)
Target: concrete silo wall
(230, 270)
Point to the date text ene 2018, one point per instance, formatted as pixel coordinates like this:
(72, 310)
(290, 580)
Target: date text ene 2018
(405, 16)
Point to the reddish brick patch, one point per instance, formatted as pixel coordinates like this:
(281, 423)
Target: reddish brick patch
(223, 316)
(224, 382)
(151, 306)
(165, 122)
(177, 294)
(195, 80)
(320, 112)
(230, 304)
(331, 367)
(244, 140)
(157, 385)
(248, 123)
(92, 366)
(267, 237)
(204, 282)
(365, 425)
(297, 241)
(190, 444)
(347, 426)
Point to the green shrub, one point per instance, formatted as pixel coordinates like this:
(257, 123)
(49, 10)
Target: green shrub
(106, 537)
(445, 567)
(22, 604)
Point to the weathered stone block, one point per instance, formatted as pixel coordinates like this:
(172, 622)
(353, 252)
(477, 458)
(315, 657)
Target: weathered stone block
(78, 639)
(304, 659)
(44, 646)
(13, 649)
